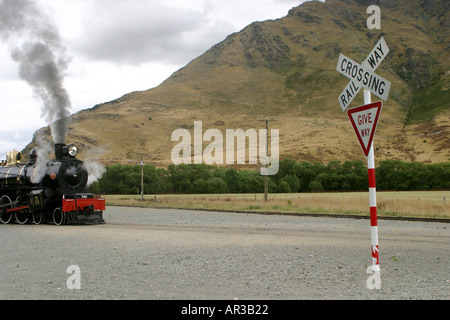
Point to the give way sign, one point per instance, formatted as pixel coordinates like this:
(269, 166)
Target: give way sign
(364, 120)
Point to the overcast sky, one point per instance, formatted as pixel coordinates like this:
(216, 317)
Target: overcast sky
(119, 46)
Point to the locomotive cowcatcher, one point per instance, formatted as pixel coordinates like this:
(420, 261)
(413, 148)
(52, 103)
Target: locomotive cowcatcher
(47, 191)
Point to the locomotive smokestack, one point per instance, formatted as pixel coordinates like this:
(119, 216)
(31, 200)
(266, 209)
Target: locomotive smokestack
(59, 151)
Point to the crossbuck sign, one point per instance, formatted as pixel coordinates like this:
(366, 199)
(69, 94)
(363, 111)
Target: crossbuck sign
(363, 76)
(365, 119)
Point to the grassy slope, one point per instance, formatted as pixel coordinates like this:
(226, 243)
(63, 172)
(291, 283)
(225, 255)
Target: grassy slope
(285, 68)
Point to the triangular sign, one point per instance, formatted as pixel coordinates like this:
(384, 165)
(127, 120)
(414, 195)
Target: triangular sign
(364, 120)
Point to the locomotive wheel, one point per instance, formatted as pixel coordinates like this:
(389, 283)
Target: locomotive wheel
(59, 217)
(37, 217)
(5, 217)
(22, 217)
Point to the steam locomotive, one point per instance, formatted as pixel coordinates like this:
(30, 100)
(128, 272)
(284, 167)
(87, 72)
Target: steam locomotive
(47, 191)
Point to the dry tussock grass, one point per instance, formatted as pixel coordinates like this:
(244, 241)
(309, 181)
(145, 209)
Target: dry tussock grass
(404, 205)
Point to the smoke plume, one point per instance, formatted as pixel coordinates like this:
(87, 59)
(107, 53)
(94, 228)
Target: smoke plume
(44, 148)
(36, 46)
(95, 171)
(93, 166)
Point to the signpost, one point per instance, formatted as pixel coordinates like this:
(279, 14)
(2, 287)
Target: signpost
(364, 119)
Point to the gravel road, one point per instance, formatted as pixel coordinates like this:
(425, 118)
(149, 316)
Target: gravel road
(181, 254)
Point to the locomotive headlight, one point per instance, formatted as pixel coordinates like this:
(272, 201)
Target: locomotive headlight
(73, 150)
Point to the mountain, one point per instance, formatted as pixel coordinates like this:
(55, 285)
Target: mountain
(286, 69)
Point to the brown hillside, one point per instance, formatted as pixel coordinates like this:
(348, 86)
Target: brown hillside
(286, 69)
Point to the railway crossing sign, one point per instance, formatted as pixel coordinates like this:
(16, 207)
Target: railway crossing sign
(364, 120)
(363, 75)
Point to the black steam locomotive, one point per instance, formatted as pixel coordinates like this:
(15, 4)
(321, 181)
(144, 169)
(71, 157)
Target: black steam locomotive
(57, 193)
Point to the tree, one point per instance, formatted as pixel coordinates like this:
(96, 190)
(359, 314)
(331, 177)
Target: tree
(165, 186)
(232, 179)
(180, 177)
(305, 174)
(210, 186)
(251, 181)
(286, 167)
(293, 177)
(284, 187)
(292, 181)
(315, 186)
(391, 175)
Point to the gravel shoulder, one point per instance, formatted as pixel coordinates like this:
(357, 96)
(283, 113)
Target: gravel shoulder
(182, 254)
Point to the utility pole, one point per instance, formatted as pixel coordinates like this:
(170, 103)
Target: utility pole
(266, 179)
(142, 178)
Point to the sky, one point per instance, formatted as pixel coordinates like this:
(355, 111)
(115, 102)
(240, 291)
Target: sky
(119, 46)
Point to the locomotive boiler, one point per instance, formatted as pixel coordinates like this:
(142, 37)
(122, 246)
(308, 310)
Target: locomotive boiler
(47, 191)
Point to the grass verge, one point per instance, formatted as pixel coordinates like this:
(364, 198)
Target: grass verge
(423, 204)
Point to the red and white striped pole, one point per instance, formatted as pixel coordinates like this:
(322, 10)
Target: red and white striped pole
(372, 199)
